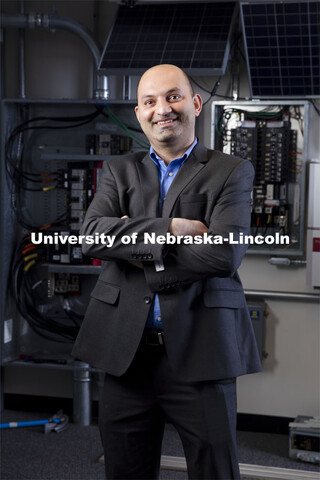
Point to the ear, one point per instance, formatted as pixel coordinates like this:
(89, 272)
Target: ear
(136, 109)
(197, 101)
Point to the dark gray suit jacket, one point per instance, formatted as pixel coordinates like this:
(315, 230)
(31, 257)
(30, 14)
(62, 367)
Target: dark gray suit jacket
(207, 328)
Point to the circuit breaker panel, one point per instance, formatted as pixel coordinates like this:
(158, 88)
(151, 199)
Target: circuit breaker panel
(276, 139)
(54, 154)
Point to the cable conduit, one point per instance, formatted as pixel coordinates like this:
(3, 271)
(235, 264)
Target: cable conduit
(52, 21)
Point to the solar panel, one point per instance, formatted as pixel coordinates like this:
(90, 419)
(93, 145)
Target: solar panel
(282, 41)
(193, 36)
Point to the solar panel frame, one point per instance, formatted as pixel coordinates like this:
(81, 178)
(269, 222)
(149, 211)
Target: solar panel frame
(173, 45)
(273, 69)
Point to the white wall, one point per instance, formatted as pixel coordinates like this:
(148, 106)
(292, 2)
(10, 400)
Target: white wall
(59, 65)
(289, 384)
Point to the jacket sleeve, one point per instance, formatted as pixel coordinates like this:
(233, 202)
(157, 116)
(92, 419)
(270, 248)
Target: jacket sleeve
(231, 214)
(104, 217)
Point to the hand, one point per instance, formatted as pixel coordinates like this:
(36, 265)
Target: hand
(184, 226)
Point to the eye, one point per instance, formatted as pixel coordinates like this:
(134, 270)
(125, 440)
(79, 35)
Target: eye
(148, 102)
(174, 97)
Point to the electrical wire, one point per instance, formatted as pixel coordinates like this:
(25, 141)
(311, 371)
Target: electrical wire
(24, 279)
(115, 119)
(14, 163)
(24, 284)
(16, 173)
(23, 128)
(212, 92)
(263, 115)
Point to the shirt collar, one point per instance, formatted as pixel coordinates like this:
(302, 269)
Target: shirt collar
(180, 160)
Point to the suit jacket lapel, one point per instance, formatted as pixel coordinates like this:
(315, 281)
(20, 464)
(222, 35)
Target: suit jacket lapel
(194, 164)
(149, 184)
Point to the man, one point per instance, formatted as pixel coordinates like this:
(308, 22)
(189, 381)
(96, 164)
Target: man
(167, 322)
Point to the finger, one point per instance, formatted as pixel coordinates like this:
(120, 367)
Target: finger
(124, 216)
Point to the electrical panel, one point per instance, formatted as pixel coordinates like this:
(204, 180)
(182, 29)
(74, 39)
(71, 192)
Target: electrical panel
(276, 139)
(79, 183)
(54, 154)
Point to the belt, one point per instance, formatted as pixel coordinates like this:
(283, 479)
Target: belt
(152, 337)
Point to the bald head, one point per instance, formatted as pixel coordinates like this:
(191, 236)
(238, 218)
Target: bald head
(164, 69)
(167, 109)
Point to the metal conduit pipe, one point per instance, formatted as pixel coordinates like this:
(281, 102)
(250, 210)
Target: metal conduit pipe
(81, 393)
(51, 21)
(303, 297)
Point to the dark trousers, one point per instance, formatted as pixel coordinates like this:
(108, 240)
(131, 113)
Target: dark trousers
(134, 409)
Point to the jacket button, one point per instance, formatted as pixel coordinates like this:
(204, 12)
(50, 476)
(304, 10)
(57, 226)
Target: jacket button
(150, 255)
(147, 300)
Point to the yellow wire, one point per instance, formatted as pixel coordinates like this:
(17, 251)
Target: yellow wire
(29, 257)
(26, 268)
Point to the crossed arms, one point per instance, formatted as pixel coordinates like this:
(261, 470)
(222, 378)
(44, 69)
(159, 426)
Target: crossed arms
(182, 263)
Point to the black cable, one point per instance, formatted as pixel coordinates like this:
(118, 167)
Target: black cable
(43, 325)
(15, 173)
(23, 280)
(75, 317)
(78, 118)
(213, 92)
(22, 128)
(200, 86)
(14, 168)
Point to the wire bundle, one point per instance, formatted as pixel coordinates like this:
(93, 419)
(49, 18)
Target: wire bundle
(21, 179)
(25, 286)
(25, 281)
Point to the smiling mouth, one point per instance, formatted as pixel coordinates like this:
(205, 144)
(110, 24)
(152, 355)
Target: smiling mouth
(165, 122)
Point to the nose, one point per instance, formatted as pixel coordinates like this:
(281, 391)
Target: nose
(163, 107)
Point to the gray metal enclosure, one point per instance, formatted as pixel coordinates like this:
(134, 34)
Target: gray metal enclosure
(307, 134)
(45, 148)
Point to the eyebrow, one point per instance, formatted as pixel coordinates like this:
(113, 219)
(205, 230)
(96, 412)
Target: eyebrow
(172, 90)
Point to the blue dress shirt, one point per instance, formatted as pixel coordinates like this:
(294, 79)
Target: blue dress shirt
(166, 177)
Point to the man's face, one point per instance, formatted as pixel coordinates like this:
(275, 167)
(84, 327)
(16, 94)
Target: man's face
(167, 109)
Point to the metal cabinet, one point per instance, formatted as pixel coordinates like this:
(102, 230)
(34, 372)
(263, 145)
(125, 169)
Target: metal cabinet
(279, 138)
